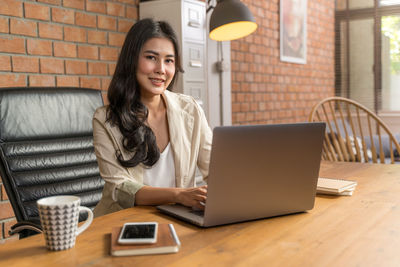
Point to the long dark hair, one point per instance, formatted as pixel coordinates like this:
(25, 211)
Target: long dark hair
(126, 109)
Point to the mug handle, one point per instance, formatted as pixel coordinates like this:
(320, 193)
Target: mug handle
(88, 221)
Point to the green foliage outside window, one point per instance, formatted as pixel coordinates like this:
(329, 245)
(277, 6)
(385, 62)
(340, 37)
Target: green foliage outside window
(391, 29)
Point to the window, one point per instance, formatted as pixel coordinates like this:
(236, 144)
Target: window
(389, 2)
(368, 53)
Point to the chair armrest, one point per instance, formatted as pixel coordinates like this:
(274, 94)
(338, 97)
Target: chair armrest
(25, 225)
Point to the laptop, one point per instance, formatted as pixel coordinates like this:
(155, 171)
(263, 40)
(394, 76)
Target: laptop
(258, 171)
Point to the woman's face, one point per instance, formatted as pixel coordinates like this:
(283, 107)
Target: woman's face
(156, 66)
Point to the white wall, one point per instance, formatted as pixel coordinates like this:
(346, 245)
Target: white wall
(218, 84)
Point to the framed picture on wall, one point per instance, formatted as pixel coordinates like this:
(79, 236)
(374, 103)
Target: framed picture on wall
(293, 31)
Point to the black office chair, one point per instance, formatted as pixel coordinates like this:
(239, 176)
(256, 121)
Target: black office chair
(46, 149)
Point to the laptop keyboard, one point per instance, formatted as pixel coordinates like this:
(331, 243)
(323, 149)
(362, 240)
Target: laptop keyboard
(198, 212)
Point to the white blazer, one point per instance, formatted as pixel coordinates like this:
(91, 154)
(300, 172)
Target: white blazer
(190, 138)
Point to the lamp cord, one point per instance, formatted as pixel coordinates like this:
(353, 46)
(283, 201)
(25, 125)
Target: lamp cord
(209, 6)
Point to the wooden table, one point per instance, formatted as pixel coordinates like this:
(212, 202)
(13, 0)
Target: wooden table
(358, 230)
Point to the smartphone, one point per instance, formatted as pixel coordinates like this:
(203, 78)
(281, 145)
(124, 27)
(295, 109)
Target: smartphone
(138, 233)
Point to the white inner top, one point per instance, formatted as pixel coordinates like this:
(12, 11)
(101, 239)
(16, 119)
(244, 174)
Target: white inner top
(161, 174)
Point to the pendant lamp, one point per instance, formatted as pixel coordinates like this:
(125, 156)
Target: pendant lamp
(231, 20)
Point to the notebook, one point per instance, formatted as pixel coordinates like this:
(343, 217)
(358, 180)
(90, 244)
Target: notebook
(258, 171)
(333, 186)
(167, 242)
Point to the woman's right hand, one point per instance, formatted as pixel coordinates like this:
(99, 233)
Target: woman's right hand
(192, 197)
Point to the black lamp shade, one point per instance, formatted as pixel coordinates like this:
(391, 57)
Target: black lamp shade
(231, 20)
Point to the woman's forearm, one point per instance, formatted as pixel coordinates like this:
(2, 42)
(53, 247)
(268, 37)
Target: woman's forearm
(191, 197)
(148, 195)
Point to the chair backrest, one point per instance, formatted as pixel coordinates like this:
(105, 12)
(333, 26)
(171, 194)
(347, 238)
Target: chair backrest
(46, 146)
(354, 133)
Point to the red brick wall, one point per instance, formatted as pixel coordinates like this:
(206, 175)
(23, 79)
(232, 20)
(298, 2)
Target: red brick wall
(59, 43)
(62, 42)
(267, 90)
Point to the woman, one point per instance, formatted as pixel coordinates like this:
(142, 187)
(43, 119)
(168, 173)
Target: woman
(148, 140)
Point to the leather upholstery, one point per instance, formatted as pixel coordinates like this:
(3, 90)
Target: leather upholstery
(46, 146)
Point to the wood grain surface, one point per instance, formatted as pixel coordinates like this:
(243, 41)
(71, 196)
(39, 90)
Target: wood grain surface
(358, 230)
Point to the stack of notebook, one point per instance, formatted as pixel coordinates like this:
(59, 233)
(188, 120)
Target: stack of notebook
(333, 186)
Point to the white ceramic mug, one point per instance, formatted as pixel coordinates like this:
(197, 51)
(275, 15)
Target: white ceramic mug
(59, 217)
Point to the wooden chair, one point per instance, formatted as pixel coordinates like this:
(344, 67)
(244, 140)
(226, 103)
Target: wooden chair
(354, 133)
